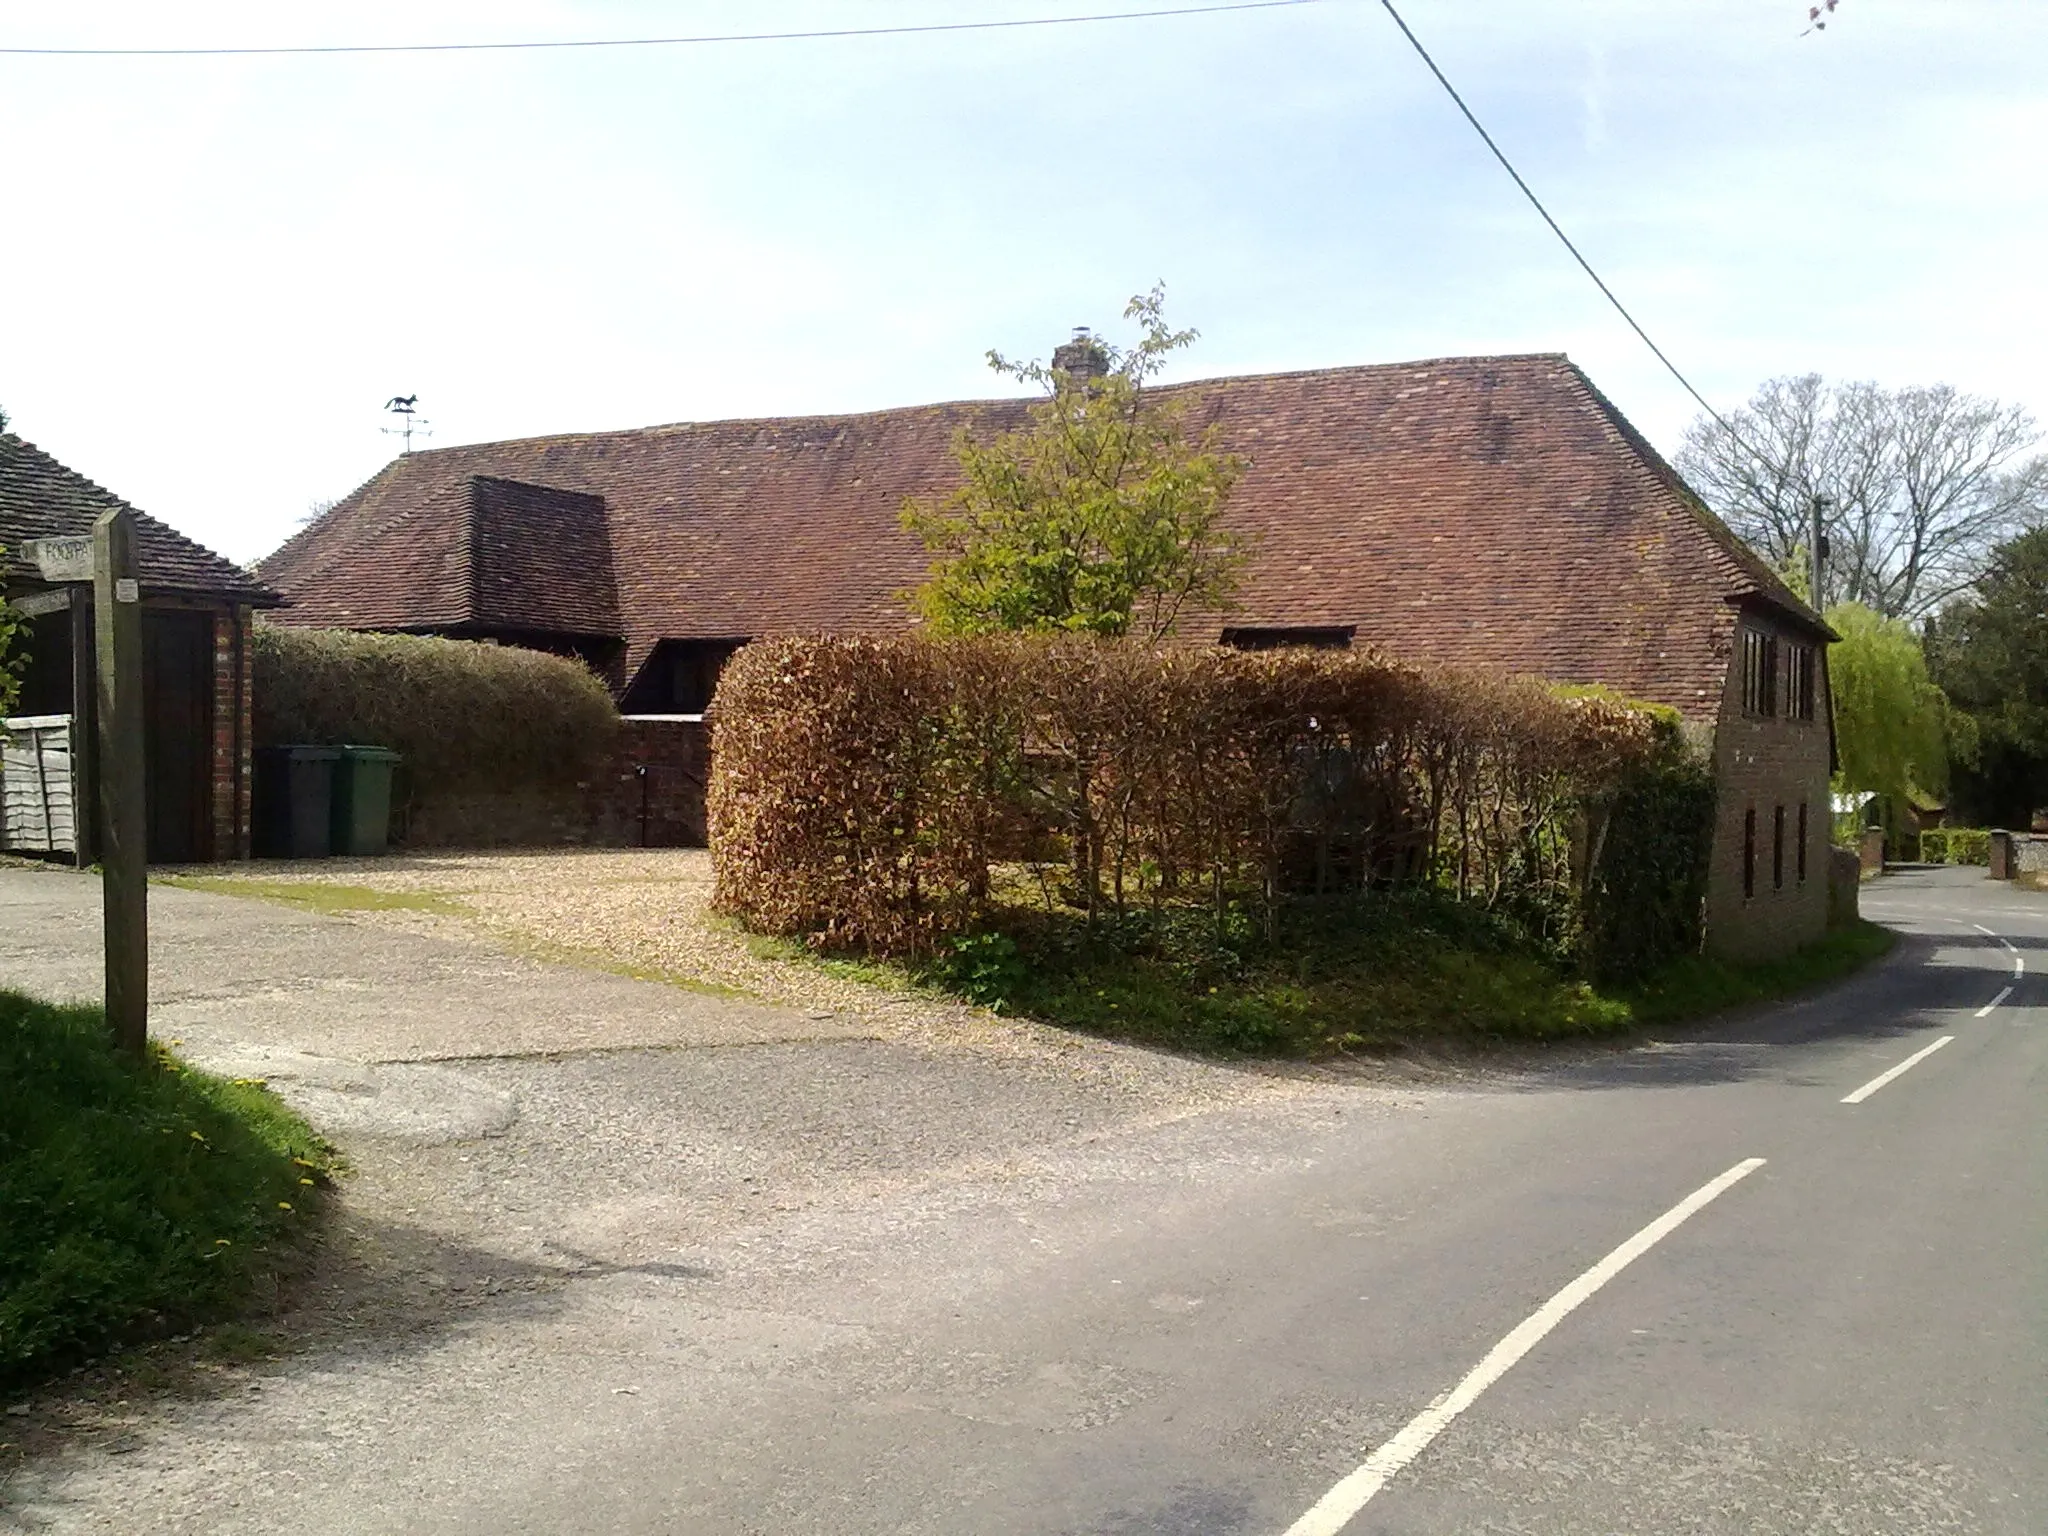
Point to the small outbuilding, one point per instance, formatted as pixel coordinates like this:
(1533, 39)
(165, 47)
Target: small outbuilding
(197, 609)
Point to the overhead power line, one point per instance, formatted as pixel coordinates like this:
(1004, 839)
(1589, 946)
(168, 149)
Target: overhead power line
(670, 42)
(1577, 255)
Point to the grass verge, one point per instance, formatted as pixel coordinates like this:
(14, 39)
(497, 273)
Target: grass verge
(1696, 986)
(1396, 971)
(136, 1197)
(319, 895)
(548, 952)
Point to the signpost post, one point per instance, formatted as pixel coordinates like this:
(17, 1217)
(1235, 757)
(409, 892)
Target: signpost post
(124, 890)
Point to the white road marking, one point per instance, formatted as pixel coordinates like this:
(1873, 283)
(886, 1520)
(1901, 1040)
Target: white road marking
(1336, 1509)
(1986, 1009)
(1882, 1078)
(2019, 961)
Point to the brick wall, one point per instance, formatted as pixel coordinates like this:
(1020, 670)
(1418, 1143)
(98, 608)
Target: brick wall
(651, 794)
(2029, 854)
(1845, 885)
(245, 714)
(230, 798)
(1765, 766)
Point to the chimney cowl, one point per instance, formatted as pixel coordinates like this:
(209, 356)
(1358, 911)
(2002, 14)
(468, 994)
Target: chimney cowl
(1083, 359)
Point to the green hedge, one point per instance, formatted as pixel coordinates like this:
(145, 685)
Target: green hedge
(1956, 845)
(465, 716)
(1646, 902)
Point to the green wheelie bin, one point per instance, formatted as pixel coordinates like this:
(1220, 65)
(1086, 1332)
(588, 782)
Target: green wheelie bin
(362, 800)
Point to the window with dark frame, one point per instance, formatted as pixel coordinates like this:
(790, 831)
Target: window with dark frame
(1802, 671)
(696, 665)
(1336, 637)
(679, 678)
(1778, 849)
(1802, 842)
(1749, 852)
(1759, 673)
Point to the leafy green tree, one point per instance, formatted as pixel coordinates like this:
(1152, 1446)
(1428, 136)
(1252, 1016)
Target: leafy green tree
(1103, 516)
(1990, 653)
(13, 651)
(1892, 724)
(13, 639)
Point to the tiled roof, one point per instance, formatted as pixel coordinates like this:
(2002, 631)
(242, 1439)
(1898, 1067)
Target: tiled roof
(1489, 511)
(460, 551)
(40, 499)
(541, 559)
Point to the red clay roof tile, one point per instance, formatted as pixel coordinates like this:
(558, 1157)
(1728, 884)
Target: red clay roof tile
(40, 498)
(1489, 511)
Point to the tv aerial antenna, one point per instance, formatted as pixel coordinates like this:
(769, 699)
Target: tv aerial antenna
(410, 423)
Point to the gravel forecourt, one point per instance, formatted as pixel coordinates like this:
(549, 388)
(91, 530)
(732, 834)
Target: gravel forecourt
(646, 911)
(512, 1200)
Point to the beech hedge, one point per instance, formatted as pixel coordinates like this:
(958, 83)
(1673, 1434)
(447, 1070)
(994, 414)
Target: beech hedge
(892, 795)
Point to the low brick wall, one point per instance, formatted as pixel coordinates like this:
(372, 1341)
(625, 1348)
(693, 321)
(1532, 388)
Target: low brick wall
(1845, 885)
(657, 793)
(2029, 854)
(651, 794)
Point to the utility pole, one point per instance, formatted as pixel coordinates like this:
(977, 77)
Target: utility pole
(124, 888)
(1817, 549)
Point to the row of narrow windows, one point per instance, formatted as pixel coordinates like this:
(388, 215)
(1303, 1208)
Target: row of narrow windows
(1768, 663)
(1778, 839)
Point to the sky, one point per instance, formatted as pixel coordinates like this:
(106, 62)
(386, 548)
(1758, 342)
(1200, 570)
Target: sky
(217, 270)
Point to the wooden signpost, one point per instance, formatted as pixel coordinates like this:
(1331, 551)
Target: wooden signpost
(124, 889)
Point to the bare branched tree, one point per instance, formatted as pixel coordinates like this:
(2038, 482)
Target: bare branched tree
(1918, 484)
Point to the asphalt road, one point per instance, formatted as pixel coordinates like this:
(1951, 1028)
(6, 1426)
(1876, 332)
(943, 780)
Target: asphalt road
(1210, 1322)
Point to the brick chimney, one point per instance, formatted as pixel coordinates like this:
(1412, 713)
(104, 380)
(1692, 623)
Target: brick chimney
(1083, 359)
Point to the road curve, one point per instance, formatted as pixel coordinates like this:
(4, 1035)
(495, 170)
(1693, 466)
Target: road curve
(1785, 1274)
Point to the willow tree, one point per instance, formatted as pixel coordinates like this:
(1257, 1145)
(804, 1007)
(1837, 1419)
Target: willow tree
(1892, 724)
(1102, 515)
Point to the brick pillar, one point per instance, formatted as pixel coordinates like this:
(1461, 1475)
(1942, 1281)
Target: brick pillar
(245, 698)
(226, 716)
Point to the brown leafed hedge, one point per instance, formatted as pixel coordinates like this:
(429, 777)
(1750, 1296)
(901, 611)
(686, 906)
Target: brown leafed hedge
(466, 717)
(870, 793)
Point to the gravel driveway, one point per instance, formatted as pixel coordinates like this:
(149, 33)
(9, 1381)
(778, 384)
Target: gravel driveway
(644, 911)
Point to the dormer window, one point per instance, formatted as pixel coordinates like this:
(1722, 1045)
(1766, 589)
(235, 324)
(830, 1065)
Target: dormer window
(1308, 637)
